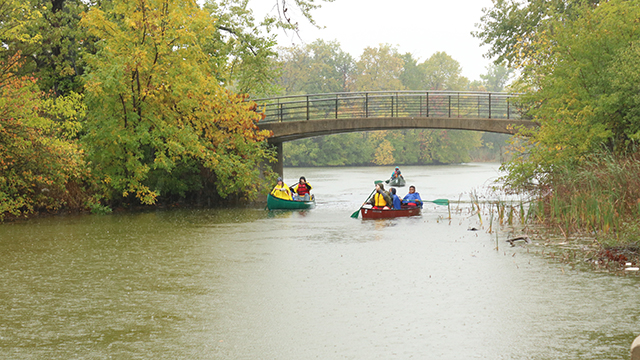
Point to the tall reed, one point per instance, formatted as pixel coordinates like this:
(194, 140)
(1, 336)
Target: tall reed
(602, 196)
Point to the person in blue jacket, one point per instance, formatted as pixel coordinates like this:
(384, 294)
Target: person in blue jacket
(412, 198)
(397, 203)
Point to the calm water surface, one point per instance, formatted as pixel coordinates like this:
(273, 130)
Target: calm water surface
(254, 284)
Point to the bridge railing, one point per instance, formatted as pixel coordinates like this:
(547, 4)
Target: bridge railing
(449, 104)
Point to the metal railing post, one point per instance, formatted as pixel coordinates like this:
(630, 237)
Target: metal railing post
(489, 105)
(366, 105)
(336, 106)
(281, 111)
(449, 105)
(307, 107)
(508, 110)
(427, 104)
(391, 105)
(397, 104)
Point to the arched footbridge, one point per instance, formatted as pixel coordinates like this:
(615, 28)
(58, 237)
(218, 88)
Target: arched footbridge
(302, 116)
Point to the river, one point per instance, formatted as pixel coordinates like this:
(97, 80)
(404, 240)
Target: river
(246, 283)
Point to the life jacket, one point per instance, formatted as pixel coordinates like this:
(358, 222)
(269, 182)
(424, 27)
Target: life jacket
(379, 200)
(303, 189)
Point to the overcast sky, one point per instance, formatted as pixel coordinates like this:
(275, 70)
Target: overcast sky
(421, 27)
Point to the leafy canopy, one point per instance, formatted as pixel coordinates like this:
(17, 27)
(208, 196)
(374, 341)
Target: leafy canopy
(582, 89)
(159, 120)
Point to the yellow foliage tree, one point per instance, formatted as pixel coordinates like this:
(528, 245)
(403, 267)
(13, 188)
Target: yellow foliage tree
(159, 121)
(384, 154)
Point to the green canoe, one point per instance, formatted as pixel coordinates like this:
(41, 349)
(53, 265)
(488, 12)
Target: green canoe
(274, 203)
(399, 181)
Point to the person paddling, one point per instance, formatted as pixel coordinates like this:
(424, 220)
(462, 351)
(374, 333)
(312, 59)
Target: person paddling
(302, 189)
(396, 173)
(381, 199)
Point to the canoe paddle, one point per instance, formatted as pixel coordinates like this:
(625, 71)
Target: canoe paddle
(357, 212)
(444, 202)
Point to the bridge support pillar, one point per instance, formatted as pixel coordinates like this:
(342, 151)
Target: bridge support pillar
(278, 167)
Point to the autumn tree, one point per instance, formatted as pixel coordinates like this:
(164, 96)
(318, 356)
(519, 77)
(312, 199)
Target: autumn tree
(159, 121)
(15, 16)
(41, 167)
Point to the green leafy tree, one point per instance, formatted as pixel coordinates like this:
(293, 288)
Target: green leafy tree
(580, 90)
(159, 122)
(51, 44)
(513, 29)
(57, 60)
(496, 78)
(243, 58)
(379, 69)
(442, 72)
(412, 76)
(319, 67)
(332, 150)
(449, 146)
(15, 17)
(406, 146)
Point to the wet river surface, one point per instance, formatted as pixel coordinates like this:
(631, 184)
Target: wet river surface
(254, 284)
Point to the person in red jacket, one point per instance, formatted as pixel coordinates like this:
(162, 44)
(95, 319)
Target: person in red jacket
(302, 190)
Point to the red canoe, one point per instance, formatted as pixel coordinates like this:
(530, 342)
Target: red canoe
(386, 214)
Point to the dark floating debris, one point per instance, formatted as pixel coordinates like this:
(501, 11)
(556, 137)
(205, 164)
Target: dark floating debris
(472, 229)
(524, 238)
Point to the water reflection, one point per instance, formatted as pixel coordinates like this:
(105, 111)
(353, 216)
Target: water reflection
(287, 213)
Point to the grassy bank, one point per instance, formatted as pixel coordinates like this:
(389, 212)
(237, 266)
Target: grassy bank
(600, 198)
